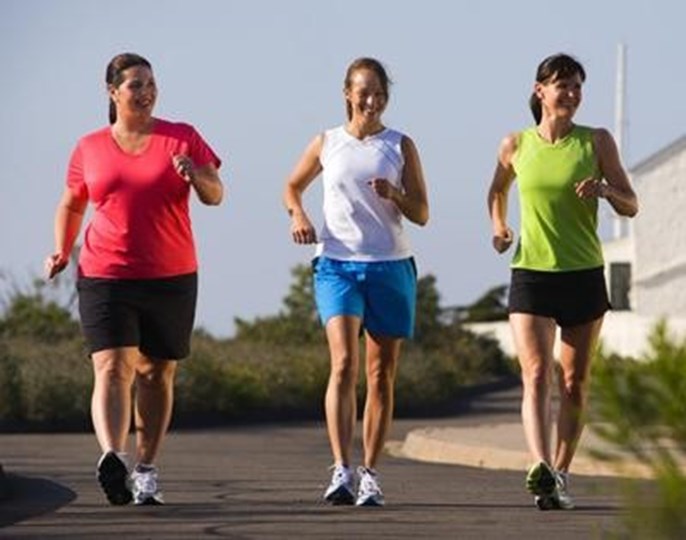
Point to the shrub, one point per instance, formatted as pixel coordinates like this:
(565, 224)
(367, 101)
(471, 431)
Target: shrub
(639, 407)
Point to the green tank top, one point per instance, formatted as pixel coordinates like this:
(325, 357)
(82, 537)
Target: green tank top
(558, 229)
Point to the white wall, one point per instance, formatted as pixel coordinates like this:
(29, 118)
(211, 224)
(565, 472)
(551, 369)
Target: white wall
(660, 239)
(623, 333)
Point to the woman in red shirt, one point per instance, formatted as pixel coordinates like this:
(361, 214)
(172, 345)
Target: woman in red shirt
(137, 273)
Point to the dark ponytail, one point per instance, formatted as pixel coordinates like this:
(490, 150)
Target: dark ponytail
(535, 106)
(113, 74)
(557, 66)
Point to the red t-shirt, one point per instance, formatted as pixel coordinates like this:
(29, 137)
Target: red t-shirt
(140, 227)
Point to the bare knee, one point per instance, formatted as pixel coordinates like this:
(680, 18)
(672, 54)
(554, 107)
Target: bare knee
(380, 378)
(535, 376)
(343, 372)
(112, 370)
(574, 389)
(154, 374)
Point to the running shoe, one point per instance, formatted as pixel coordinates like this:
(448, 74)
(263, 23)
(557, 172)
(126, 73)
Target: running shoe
(146, 491)
(369, 491)
(113, 476)
(340, 490)
(541, 481)
(562, 499)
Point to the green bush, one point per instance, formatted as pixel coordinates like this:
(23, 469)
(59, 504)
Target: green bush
(639, 407)
(275, 368)
(44, 385)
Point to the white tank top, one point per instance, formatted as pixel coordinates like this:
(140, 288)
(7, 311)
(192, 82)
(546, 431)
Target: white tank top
(358, 224)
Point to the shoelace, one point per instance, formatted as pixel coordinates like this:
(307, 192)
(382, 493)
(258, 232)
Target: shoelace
(146, 482)
(368, 481)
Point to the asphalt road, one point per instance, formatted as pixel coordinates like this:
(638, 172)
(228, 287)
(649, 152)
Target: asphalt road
(265, 482)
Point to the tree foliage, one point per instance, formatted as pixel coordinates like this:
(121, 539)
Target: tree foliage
(296, 324)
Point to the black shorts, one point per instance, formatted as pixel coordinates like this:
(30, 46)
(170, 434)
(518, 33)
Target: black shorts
(571, 298)
(155, 315)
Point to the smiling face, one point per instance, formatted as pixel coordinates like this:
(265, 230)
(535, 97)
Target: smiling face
(366, 96)
(560, 97)
(136, 94)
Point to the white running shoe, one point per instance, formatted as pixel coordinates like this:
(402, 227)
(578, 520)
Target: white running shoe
(369, 491)
(340, 490)
(145, 488)
(562, 499)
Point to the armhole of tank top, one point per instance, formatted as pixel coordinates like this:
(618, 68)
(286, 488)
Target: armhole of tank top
(518, 143)
(324, 151)
(594, 149)
(401, 151)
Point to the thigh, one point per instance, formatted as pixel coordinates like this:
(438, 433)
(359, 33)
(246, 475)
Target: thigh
(382, 353)
(534, 338)
(337, 289)
(108, 313)
(583, 297)
(343, 337)
(390, 298)
(167, 316)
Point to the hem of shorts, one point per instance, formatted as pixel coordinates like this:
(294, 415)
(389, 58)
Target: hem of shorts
(566, 324)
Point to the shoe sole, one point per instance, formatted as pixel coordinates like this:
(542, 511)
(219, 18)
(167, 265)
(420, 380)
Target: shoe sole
(368, 502)
(149, 501)
(113, 478)
(341, 496)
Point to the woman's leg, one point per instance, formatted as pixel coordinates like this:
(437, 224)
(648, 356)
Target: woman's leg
(534, 338)
(114, 371)
(578, 344)
(154, 404)
(340, 402)
(382, 355)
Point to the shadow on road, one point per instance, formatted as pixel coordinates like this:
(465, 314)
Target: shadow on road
(31, 497)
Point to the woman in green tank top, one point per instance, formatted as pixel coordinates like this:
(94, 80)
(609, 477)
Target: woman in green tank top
(562, 169)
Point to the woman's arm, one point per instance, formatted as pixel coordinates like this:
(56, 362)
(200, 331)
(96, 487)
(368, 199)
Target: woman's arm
(205, 179)
(616, 188)
(497, 194)
(68, 218)
(305, 171)
(412, 200)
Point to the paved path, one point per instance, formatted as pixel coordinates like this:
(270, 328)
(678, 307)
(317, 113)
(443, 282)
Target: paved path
(266, 482)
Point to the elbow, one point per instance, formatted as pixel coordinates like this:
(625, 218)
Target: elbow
(218, 196)
(632, 209)
(422, 218)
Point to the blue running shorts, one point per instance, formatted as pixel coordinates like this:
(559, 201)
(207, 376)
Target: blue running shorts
(383, 294)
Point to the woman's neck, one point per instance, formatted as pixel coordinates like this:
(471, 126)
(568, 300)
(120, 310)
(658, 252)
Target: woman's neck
(361, 129)
(134, 124)
(554, 129)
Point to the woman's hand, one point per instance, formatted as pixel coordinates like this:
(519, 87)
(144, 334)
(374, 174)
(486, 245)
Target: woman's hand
(54, 264)
(302, 230)
(502, 239)
(591, 187)
(184, 167)
(384, 189)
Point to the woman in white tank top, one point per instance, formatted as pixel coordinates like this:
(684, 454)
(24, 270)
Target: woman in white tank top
(365, 277)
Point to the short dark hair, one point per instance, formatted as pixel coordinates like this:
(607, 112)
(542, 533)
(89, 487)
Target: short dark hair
(113, 73)
(556, 66)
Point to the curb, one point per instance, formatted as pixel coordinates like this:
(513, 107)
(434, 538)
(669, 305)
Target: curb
(502, 447)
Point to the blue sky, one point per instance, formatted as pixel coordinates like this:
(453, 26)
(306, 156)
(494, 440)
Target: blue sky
(259, 78)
